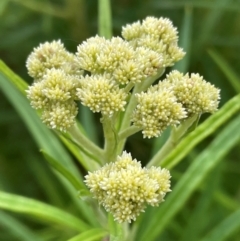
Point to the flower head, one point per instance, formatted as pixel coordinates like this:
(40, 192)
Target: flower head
(195, 94)
(124, 188)
(156, 34)
(50, 55)
(55, 95)
(60, 115)
(101, 94)
(156, 109)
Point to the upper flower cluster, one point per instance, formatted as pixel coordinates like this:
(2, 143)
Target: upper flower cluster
(102, 73)
(157, 34)
(124, 188)
(172, 100)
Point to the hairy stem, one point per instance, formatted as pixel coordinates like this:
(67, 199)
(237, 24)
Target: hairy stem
(132, 104)
(110, 137)
(86, 145)
(173, 140)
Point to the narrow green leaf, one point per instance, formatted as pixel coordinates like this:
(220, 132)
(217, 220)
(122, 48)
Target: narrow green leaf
(202, 131)
(203, 4)
(185, 40)
(17, 229)
(67, 174)
(95, 234)
(41, 211)
(233, 78)
(104, 18)
(42, 135)
(192, 178)
(225, 229)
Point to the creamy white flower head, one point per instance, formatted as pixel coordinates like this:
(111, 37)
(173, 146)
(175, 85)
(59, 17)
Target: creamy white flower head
(156, 109)
(50, 55)
(59, 86)
(88, 52)
(55, 95)
(60, 115)
(124, 188)
(159, 35)
(195, 94)
(101, 94)
(36, 96)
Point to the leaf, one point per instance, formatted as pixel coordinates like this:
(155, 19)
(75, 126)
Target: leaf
(104, 18)
(41, 211)
(233, 78)
(195, 174)
(17, 229)
(42, 135)
(201, 132)
(185, 40)
(90, 235)
(225, 229)
(67, 174)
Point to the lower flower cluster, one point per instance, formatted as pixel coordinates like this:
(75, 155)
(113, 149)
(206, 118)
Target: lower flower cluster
(124, 188)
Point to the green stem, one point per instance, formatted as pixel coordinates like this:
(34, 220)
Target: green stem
(132, 104)
(104, 18)
(86, 145)
(110, 137)
(128, 132)
(173, 140)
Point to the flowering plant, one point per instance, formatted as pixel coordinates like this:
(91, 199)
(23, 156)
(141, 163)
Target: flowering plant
(121, 78)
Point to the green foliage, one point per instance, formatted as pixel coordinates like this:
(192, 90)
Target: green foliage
(50, 201)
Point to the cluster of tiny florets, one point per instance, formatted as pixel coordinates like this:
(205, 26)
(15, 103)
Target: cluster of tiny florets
(196, 95)
(157, 34)
(55, 81)
(124, 188)
(103, 71)
(157, 109)
(119, 59)
(101, 94)
(50, 55)
(173, 100)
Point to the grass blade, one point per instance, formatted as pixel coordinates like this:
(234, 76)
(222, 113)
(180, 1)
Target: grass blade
(225, 229)
(202, 131)
(233, 78)
(67, 174)
(41, 211)
(104, 18)
(17, 229)
(192, 178)
(90, 235)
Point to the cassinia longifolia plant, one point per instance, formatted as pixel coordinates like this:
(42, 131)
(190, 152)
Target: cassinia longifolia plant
(117, 77)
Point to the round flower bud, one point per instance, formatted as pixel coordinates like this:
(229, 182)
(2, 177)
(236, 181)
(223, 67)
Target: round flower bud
(124, 188)
(195, 94)
(158, 35)
(58, 86)
(101, 94)
(47, 56)
(60, 115)
(156, 109)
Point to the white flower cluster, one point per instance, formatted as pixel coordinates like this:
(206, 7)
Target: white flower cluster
(124, 188)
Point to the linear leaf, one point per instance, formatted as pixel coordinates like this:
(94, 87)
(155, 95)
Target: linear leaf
(192, 178)
(40, 210)
(42, 135)
(233, 78)
(17, 229)
(225, 229)
(61, 169)
(202, 131)
(104, 18)
(90, 235)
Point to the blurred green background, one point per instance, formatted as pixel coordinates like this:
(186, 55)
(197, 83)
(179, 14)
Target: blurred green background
(209, 33)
